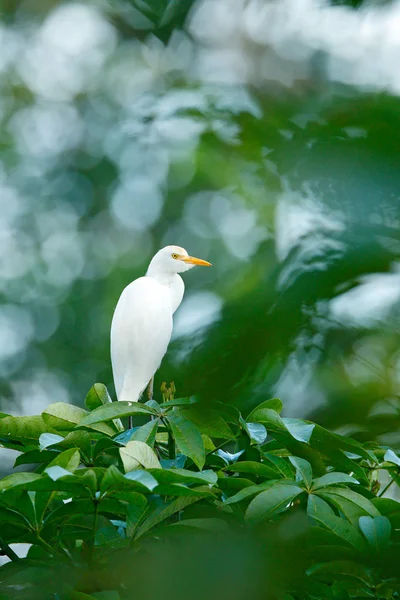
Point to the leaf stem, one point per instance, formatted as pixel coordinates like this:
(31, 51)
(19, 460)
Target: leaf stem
(385, 489)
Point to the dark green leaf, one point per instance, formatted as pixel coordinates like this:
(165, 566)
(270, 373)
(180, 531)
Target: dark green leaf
(322, 514)
(97, 396)
(271, 502)
(272, 404)
(255, 468)
(139, 480)
(165, 511)
(147, 433)
(377, 531)
(69, 459)
(207, 421)
(184, 476)
(187, 438)
(249, 491)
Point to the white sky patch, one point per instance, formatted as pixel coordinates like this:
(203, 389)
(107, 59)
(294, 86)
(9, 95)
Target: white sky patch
(369, 302)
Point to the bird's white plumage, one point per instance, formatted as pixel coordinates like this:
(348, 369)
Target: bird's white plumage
(142, 323)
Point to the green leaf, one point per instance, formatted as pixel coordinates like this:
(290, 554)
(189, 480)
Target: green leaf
(184, 476)
(303, 470)
(279, 464)
(147, 433)
(341, 569)
(271, 502)
(188, 439)
(332, 479)
(116, 410)
(207, 421)
(390, 456)
(348, 494)
(35, 457)
(26, 429)
(69, 460)
(62, 416)
(211, 524)
(321, 513)
(179, 402)
(255, 468)
(249, 491)
(139, 481)
(256, 432)
(49, 439)
(377, 531)
(271, 404)
(97, 396)
(167, 510)
(16, 480)
(300, 430)
(138, 454)
(136, 514)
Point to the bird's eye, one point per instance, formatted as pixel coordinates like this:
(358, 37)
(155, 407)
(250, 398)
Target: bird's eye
(175, 255)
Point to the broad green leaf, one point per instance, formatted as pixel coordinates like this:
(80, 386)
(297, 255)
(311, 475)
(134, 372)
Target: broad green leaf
(207, 421)
(321, 513)
(62, 416)
(69, 460)
(13, 517)
(188, 439)
(272, 404)
(79, 439)
(228, 412)
(26, 429)
(136, 455)
(35, 457)
(377, 531)
(178, 489)
(300, 430)
(184, 476)
(136, 514)
(49, 439)
(279, 464)
(332, 479)
(211, 524)
(165, 511)
(116, 410)
(390, 456)
(325, 441)
(174, 463)
(271, 502)
(255, 468)
(303, 470)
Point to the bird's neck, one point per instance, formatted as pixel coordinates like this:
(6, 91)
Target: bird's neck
(162, 277)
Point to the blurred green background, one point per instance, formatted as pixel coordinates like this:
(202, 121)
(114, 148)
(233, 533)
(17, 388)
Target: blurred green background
(262, 136)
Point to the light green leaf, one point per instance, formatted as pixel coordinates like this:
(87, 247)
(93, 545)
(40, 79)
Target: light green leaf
(300, 430)
(147, 433)
(138, 481)
(321, 513)
(26, 429)
(272, 404)
(377, 531)
(116, 410)
(271, 502)
(62, 416)
(18, 479)
(49, 439)
(303, 470)
(332, 479)
(249, 491)
(69, 460)
(97, 396)
(390, 456)
(351, 496)
(187, 438)
(136, 455)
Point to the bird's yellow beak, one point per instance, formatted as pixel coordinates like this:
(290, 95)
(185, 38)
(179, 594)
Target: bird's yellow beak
(191, 260)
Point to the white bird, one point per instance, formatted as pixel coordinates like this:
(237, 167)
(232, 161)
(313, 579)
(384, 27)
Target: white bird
(142, 323)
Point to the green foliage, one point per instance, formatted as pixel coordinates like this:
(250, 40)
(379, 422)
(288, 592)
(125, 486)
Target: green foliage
(100, 503)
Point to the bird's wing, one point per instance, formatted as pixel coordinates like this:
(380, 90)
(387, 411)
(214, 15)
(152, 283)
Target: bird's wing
(140, 332)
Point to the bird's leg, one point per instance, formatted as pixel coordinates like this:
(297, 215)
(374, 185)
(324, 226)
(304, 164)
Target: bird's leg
(130, 422)
(150, 389)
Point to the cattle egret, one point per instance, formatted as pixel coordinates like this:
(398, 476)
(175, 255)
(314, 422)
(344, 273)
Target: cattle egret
(142, 323)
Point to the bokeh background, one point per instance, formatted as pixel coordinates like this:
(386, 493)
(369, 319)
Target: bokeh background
(261, 135)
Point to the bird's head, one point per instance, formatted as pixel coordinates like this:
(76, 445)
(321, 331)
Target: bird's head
(174, 259)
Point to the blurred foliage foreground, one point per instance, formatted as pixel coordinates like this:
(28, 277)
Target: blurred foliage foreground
(194, 503)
